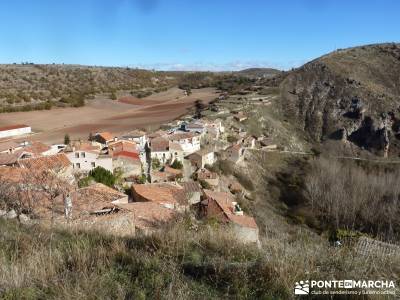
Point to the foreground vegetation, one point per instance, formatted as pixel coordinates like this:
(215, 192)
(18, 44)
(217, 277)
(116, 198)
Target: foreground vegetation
(184, 261)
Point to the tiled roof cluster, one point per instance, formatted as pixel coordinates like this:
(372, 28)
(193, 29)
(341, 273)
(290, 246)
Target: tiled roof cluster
(56, 162)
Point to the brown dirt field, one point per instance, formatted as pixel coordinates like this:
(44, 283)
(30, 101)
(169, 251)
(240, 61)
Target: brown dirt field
(136, 101)
(106, 115)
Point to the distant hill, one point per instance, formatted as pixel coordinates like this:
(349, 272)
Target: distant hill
(29, 86)
(259, 72)
(351, 95)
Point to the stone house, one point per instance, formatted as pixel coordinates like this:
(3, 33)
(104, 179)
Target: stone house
(222, 207)
(211, 178)
(201, 158)
(193, 191)
(165, 194)
(127, 162)
(234, 153)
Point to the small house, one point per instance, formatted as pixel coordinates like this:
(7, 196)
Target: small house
(165, 194)
(209, 177)
(14, 130)
(222, 207)
(201, 158)
(234, 153)
(103, 137)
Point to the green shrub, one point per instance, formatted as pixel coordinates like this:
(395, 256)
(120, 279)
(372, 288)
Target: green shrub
(177, 165)
(84, 182)
(204, 184)
(155, 163)
(101, 175)
(67, 139)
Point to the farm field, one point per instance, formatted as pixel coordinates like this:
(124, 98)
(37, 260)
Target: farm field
(102, 114)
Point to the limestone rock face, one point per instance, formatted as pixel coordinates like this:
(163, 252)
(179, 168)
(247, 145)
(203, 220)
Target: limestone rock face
(350, 95)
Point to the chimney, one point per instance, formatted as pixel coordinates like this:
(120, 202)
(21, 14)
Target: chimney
(237, 210)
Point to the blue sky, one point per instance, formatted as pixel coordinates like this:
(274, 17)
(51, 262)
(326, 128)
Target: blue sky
(190, 34)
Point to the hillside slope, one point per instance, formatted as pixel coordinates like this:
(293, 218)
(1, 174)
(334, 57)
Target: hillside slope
(33, 86)
(259, 72)
(351, 95)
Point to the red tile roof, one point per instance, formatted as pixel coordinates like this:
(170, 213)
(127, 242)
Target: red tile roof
(122, 146)
(162, 193)
(149, 214)
(175, 146)
(107, 136)
(191, 187)
(37, 148)
(11, 127)
(13, 174)
(95, 197)
(53, 162)
(159, 144)
(224, 201)
(173, 171)
(126, 154)
(5, 146)
(8, 159)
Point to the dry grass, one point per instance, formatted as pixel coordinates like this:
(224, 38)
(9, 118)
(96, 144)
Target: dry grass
(178, 263)
(347, 196)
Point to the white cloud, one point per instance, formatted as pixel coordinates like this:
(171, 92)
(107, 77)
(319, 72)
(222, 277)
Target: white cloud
(206, 66)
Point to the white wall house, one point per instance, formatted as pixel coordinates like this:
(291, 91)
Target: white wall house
(162, 156)
(85, 161)
(176, 152)
(14, 130)
(138, 137)
(189, 142)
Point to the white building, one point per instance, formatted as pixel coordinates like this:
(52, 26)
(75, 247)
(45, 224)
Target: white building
(160, 149)
(190, 142)
(54, 149)
(85, 161)
(14, 130)
(139, 137)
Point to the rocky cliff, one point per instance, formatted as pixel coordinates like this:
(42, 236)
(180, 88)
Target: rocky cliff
(351, 95)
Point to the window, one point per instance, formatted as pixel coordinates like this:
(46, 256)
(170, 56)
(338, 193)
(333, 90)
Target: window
(78, 165)
(93, 165)
(83, 154)
(76, 155)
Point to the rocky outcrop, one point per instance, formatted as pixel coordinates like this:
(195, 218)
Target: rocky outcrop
(351, 95)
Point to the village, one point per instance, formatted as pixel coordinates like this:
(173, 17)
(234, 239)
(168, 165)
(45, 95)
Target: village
(131, 183)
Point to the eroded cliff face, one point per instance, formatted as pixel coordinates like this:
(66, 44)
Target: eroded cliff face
(350, 95)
